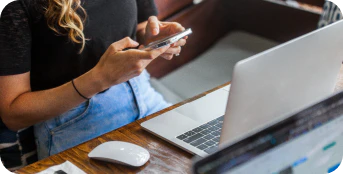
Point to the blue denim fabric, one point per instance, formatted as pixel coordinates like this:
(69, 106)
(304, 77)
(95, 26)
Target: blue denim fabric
(116, 107)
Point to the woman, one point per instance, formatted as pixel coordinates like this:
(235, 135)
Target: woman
(71, 68)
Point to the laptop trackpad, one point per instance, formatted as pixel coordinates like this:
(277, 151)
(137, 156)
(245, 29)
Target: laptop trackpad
(206, 108)
(170, 124)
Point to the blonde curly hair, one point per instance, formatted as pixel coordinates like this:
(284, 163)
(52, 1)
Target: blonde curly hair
(63, 18)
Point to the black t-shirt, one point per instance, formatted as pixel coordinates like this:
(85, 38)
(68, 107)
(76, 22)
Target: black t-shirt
(28, 44)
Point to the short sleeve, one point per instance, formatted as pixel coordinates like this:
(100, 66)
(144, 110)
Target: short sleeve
(331, 13)
(15, 40)
(146, 8)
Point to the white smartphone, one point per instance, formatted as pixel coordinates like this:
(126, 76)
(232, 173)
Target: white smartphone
(168, 40)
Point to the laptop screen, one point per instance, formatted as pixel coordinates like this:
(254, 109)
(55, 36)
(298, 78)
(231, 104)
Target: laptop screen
(310, 141)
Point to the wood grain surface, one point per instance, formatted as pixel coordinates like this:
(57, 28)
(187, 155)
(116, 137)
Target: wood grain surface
(210, 21)
(318, 3)
(165, 157)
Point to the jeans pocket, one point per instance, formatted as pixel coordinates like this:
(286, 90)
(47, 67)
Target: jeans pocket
(72, 116)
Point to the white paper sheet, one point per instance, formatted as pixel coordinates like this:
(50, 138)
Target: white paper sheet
(64, 168)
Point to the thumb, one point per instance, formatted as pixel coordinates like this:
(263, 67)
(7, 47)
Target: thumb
(152, 27)
(127, 42)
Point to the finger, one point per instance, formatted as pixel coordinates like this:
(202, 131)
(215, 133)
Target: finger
(174, 50)
(127, 42)
(178, 27)
(181, 42)
(136, 58)
(141, 47)
(167, 56)
(150, 54)
(153, 26)
(157, 52)
(173, 26)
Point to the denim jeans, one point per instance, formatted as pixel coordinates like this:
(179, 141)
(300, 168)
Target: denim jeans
(104, 112)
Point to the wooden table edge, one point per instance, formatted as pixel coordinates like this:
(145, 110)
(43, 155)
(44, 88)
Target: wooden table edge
(50, 161)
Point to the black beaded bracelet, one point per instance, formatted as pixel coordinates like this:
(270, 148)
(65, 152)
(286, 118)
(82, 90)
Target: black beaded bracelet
(79, 91)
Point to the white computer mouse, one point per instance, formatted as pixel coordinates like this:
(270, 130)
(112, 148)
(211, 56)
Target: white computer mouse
(120, 152)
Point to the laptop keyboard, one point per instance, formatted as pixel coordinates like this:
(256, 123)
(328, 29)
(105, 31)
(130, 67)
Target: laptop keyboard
(205, 137)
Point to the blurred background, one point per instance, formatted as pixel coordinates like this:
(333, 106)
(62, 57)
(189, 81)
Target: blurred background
(225, 32)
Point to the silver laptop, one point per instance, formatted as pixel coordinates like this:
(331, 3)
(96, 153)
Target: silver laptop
(308, 142)
(265, 88)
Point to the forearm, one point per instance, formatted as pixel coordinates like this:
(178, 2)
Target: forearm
(30, 108)
(20, 108)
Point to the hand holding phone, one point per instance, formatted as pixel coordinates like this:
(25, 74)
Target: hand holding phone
(168, 40)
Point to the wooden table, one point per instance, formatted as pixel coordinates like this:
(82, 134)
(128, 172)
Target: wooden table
(165, 157)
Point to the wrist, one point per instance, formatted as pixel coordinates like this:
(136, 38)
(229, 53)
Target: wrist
(97, 80)
(90, 83)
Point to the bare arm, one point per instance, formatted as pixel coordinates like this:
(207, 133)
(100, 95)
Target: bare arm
(20, 107)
